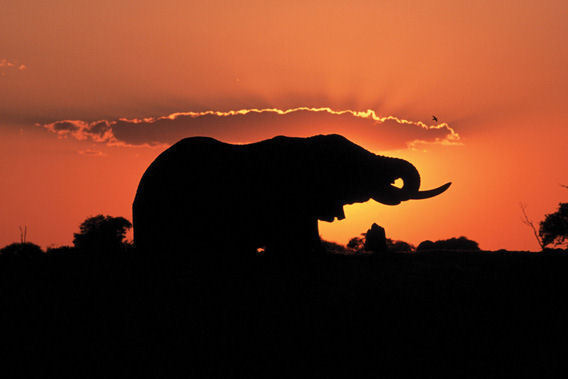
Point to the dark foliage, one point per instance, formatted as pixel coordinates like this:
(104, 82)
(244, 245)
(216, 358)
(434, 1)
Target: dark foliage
(461, 243)
(444, 314)
(425, 245)
(25, 249)
(379, 244)
(356, 243)
(334, 248)
(394, 246)
(554, 229)
(102, 234)
(61, 250)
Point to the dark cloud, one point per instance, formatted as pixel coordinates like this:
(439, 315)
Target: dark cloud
(98, 131)
(254, 125)
(65, 127)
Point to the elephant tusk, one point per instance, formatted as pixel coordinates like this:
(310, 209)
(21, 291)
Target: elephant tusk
(430, 193)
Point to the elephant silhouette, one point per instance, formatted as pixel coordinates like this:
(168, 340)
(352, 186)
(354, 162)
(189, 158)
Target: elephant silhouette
(208, 196)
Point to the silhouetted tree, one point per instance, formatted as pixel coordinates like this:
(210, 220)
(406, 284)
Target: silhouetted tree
(102, 234)
(356, 243)
(528, 222)
(26, 249)
(554, 228)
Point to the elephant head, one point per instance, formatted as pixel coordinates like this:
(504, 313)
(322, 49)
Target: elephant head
(368, 176)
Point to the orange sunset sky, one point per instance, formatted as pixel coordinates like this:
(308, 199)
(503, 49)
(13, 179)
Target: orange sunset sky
(86, 89)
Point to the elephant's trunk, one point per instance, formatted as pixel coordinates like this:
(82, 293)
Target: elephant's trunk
(411, 184)
(410, 177)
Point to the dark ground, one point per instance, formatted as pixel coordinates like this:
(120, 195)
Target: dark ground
(435, 314)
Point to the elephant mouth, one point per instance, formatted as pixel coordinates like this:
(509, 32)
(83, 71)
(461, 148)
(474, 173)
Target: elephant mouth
(336, 213)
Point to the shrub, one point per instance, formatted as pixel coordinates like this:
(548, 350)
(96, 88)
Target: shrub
(461, 243)
(102, 234)
(25, 249)
(554, 228)
(399, 246)
(61, 250)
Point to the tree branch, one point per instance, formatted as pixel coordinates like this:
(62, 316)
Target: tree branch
(530, 224)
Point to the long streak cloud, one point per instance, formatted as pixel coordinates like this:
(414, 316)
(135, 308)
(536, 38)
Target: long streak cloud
(247, 125)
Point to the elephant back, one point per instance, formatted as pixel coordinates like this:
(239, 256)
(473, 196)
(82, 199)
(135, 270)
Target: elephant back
(176, 193)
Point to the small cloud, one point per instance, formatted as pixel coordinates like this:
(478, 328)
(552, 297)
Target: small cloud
(10, 65)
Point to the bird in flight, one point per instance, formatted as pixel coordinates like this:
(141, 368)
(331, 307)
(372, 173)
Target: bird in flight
(435, 119)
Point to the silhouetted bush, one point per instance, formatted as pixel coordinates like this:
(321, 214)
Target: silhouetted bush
(334, 248)
(102, 234)
(461, 243)
(549, 250)
(554, 228)
(399, 246)
(374, 240)
(26, 249)
(61, 250)
(425, 245)
(356, 243)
